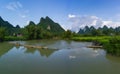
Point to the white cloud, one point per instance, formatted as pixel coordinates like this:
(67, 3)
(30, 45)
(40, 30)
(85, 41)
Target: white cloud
(78, 22)
(111, 23)
(94, 17)
(18, 8)
(14, 5)
(71, 16)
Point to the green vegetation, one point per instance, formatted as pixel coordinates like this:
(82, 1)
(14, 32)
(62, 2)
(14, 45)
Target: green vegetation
(32, 31)
(48, 25)
(92, 38)
(8, 31)
(2, 34)
(109, 38)
(45, 29)
(13, 38)
(110, 43)
(113, 46)
(67, 34)
(9, 28)
(101, 31)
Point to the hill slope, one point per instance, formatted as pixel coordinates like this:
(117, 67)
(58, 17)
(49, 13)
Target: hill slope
(10, 29)
(48, 24)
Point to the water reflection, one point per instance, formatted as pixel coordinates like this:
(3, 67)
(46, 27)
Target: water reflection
(43, 52)
(113, 58)
(71, 58)
(4, 48)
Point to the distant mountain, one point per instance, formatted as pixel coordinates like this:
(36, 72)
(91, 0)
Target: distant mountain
(48, 24)
(10, 29)
(5, 23)
(99, 31)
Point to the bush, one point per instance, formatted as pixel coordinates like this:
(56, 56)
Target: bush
(113, 46)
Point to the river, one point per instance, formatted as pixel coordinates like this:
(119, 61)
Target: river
(68, 57)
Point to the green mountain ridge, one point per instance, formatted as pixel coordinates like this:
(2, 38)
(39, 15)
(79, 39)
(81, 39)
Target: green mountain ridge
(48, 24)
(5, 23)
(46, 28)
(9, 28)
(99, 31)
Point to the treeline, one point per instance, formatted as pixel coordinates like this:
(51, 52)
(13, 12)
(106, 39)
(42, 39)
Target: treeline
(101, 31)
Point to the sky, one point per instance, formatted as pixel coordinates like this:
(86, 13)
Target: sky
(70, 14)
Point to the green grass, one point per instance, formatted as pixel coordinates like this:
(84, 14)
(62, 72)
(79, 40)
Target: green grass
(89, 39)
(12, 38)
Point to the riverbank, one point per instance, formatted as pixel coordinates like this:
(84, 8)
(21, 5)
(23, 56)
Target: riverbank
(110, 43)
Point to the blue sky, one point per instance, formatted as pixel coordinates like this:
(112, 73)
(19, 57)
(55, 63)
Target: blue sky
(71, 14)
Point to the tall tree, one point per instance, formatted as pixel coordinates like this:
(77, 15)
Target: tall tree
(67, 34)
(33, 31)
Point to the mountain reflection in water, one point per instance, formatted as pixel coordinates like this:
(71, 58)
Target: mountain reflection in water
(70, 58)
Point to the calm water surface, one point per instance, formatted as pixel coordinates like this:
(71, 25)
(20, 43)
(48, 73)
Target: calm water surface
(70, 57)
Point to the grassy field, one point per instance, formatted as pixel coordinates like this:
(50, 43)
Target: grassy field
(95, 38)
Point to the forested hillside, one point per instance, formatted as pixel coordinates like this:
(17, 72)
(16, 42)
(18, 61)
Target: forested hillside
(92, 31)
(9, 28)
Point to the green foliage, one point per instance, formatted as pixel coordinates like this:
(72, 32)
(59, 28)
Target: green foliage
(67, 34)
(113, 46)
(110, 43)
(32, 31)
(10, 29)
(46, 29)
(2, 33)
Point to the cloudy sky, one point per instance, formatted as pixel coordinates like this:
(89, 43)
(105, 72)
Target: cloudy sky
(71, 14)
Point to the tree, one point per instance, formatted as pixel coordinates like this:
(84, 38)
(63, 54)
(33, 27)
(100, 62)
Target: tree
(31, 31)
(105, 30)
(96, 32)
(117, 30)
(68, 34)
